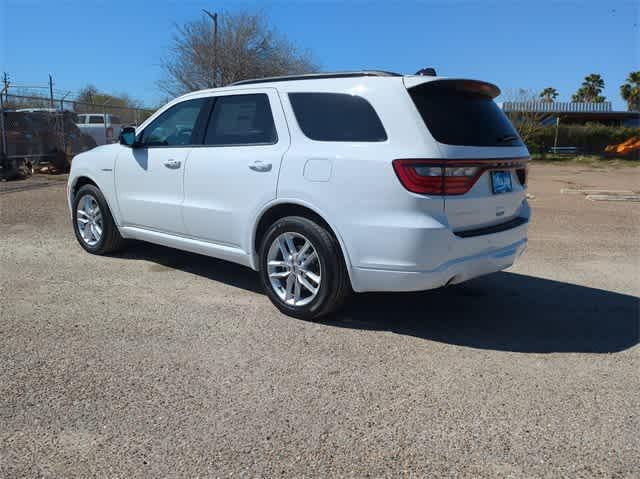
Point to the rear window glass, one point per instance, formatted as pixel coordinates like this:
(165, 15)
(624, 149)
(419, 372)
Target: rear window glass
(336, 117)
(95, 119)
(456, 117)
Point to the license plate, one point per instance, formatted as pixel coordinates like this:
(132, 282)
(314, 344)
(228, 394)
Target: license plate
(501, 182)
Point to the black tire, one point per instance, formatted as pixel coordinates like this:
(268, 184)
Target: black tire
(110, 240)
(335, 286)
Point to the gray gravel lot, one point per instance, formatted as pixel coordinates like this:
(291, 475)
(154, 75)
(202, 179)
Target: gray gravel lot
(157, 363)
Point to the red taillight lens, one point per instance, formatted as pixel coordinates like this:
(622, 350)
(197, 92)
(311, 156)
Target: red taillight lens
(109, 132)
(419, 177)
(426, 177)
(459, 179)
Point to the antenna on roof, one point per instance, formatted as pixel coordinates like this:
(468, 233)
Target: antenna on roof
(427, 72)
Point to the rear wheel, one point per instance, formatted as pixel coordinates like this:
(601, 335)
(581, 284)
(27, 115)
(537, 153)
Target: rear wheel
(302, 268)
(92, 222)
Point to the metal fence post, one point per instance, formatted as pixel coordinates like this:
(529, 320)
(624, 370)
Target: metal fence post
(4, 160)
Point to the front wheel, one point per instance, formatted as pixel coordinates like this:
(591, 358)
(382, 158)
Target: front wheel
(93, 224)
(302, 268)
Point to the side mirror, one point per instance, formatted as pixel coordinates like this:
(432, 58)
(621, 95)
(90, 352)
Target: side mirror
(128, 137)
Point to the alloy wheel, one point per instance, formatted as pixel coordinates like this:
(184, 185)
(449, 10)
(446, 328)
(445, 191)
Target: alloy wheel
(294, 269)
(89, 220)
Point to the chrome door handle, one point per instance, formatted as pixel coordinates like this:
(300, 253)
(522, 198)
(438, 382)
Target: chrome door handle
(260, 166)
(173, 164)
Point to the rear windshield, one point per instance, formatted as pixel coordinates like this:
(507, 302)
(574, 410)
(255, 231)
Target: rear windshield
(456, 117)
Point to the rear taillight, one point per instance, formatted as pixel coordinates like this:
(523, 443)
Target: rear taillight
(419, 177)
(109, 132)
(427, 178)
(451, 177)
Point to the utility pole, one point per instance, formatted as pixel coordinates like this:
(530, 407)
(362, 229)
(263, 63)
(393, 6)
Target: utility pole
(5, 80)
(3, 133)
(51, 90)
(214, 18)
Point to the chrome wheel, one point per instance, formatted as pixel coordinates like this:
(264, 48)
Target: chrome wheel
(294, 269)
(89, 220)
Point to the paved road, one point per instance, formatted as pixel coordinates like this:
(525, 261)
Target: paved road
(157, 363)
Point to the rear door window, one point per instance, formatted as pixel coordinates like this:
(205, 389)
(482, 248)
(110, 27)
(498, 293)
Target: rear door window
(96, 120)
(336, 117)
(458, 117)
(241, 120)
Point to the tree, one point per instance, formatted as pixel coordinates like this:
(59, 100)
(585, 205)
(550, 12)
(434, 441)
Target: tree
(90, 94)
(90, 100)
(630, 91)
(549, 94)
(246, 48)
(519, 106)
(589, 91)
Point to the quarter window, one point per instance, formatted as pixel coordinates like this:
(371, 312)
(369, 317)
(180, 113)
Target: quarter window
(176, 126)
(336, 117)
(241, 120)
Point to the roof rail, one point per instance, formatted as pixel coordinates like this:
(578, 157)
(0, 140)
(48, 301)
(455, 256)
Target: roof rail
(319, 76)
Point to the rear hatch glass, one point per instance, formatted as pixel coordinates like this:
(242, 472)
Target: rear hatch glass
(463, 113)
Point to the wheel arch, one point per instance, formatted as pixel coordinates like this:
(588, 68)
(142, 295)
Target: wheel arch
(79, 182)
(84, 178)
(283, 208)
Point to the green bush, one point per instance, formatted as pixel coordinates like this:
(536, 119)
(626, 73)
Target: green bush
(591, 138)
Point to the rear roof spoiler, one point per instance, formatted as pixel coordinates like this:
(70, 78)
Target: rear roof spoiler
(460, 84)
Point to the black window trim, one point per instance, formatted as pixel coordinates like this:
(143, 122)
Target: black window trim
(199, 127)
(386, 136)
(238, 145)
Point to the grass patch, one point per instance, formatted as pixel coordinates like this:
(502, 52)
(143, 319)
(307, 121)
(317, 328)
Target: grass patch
(586, 160)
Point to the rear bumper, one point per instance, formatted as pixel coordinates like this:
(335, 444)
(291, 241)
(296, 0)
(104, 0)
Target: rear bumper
(468, 258)
(452, 272)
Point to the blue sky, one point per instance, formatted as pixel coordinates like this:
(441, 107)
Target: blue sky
(118, 45)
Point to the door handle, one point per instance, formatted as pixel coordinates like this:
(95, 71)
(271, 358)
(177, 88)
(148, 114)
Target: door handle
(173, 164)
(260, 166)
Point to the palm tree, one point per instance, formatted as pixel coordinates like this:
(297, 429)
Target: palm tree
(630, 91)
(549, 94)
(590, 90)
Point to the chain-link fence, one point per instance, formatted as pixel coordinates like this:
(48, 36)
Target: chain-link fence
(37, 130)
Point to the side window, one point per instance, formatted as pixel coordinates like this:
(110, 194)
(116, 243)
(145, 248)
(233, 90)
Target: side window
(241, 120)
(80, 119)
(176, 126)
(336, 117)
(96, 120)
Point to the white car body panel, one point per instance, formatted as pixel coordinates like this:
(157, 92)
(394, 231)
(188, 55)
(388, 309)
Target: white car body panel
(150, 194)
(392, 239)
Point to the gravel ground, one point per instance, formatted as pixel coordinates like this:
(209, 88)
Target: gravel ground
(156, 363)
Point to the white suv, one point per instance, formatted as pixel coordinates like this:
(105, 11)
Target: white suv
(328, 183)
